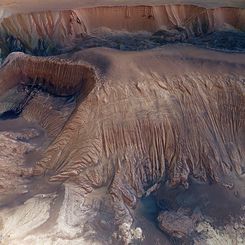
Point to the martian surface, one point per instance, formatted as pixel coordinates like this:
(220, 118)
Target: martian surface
(122, 122)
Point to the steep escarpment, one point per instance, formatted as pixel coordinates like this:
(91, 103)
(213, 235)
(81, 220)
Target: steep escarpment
(172, 117)
(30, 81)
(44, 33)
(59, 77)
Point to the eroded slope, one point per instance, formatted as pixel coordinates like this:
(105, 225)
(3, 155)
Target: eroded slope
(104, 144)
(172, 117)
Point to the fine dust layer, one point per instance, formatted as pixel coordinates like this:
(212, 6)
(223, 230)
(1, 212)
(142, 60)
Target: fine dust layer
(171, 116)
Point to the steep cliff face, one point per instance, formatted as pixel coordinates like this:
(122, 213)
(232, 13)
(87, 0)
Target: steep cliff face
(44, 32)
(31, 29)
(59, 77)
(142, 123)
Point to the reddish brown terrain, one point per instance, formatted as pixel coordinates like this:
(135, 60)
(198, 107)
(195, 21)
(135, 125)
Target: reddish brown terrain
(122, 122)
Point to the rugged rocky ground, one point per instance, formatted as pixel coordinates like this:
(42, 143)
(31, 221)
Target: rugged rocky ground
(131, 131)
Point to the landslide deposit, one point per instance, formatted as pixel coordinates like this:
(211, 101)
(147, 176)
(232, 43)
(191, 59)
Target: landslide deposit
(130, 131)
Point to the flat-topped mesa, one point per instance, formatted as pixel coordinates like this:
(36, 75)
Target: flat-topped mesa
(57, 76)
(46, 30)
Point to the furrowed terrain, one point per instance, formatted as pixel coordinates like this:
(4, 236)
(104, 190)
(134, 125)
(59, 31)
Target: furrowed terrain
(123, 125)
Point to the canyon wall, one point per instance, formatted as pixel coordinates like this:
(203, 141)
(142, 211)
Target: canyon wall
(59, 77)
(37, 30)
(118, 127)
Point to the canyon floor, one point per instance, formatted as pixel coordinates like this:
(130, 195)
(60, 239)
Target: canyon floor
(122, 122)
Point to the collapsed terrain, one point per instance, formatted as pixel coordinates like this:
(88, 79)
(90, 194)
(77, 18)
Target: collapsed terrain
(133, 124)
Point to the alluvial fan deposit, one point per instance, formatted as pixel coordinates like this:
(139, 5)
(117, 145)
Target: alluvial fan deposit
(134, 122)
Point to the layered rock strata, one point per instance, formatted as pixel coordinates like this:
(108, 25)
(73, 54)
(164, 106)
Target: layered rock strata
(48, 32)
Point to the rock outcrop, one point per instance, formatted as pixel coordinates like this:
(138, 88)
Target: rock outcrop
(178, 224)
